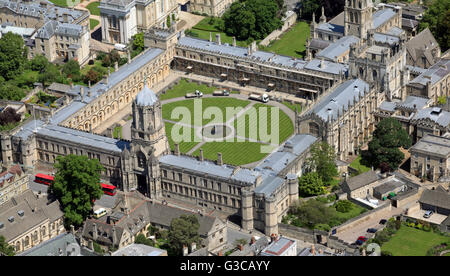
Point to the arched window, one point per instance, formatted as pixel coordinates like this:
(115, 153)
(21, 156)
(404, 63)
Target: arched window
(374, 74)
(361, 72)
(141, 160)
(314, 129)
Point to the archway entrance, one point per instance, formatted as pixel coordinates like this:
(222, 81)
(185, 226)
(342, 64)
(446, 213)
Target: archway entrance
(142, 184)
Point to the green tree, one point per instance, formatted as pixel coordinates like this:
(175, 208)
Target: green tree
(38, 63)
(383, 150)
(141, 239)
(437, 19)
(168, 22)
(343, 206)
(138, 42)
(9, 91)
(92, 76)
(322, 161)
(77, 186)
(310, 184)
(314, 213)
(49, 74)
(5, 248)
(239, 21)
(183, 231)
(71, 68)
(13, 55)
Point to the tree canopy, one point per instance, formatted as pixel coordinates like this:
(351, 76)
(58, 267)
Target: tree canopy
(9, 115)
(183, 231)
(13, 55)
(252, 19)
(310, 184)
(322, 161)
(437, 19)
(5, 248)
(331, 7)
(383, 149)
(77, 186)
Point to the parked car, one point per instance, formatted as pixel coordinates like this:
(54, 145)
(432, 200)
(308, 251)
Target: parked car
(224, 92)
(196, 94)
(372, 230)
(361, 240)
(383, 221)
(428, 214)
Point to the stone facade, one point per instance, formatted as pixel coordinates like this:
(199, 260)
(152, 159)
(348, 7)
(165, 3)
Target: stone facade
(430, 157)
(27, 221)
(60, 33)
(210, 7)
(122, 19)
(13, 182)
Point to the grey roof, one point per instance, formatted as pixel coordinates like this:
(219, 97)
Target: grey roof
(435, 73)
(26, 202)
(360, 180)
(24, 32)
(381, 16)
(388, 106)
(435, 198)
(433, 144)
(413, 101)
(146, 97)
(270, 184)
(435, 114)
(260, 56)
(415, 69)
(277, 248)
(331, 28)
(409, 23)
(319, 43)
(59, 87)
(293, 148)
(386, 38)
(338, 48)
(423, 45)
(339, 98)
(57, 246)
(104, 232)
(208, 167)
(329, 67)
(139, 250)
(387, 187)
(338, 20)
(395, 31)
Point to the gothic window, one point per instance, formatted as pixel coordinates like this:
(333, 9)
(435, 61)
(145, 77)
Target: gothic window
(141, 161)
(314, 129)
(374, 74)
(361, 72)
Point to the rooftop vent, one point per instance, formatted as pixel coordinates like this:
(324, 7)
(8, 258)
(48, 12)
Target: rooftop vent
(436, 111)
(21, 213)
(11, 219)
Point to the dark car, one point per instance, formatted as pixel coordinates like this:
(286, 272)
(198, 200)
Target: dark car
(372, 230)
(383, 221)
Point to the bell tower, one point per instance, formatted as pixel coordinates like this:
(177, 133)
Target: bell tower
(148, 143)
(358, 17)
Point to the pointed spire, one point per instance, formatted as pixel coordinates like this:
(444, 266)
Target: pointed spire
(323, 18)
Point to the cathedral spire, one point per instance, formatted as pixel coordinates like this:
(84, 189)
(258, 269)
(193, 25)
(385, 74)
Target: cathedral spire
(323, 18)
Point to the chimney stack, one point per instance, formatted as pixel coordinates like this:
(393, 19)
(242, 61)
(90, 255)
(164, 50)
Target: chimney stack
(114, 236)
(82, 93)
(220, 253)
(219, 159)
(210, 37)
(193, 247)
(253, 240)
(72, 229)
(234, 41)
(116, 66)
(65, 18)
(128, 56)
(201, 155)
(94, 231)
(218, 39)
(185, 250)
(177, 149)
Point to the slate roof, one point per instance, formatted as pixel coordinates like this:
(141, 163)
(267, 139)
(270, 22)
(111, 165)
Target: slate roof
(435, 114)
(320, 44)
(277, 248)
(360, 180)
(421, 46)
(331, 28)
(434, 144)
(435, 198)
(386, 38)
(340, 97)
(338, 48)
(26, 202)
(139, 250)
(388, 187)
(57, 246)
(436, 72)
(381, 16)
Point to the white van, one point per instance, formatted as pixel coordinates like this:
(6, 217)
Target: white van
(99, 213)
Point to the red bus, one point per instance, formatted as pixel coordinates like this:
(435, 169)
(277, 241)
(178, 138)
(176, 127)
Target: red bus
(108, 189)
(44, 179)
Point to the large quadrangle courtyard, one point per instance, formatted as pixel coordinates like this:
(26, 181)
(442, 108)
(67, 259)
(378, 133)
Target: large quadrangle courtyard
(243, 131)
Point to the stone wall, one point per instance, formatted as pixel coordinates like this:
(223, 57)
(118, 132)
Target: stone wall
(289, 21)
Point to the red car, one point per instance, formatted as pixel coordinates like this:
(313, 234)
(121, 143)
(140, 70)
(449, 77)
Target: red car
(361, 240)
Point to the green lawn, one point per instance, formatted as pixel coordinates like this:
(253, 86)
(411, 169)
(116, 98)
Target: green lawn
(354, 212)
(117, 132)
(93, 8)
(358, 166)
(409, 241)
(237, 153)
(204, 28)
(285, 125)
(62, 3)
(93, 23)
(293, 106)
(222, 103)
(183, 87)
(184, 146)
(292, 43)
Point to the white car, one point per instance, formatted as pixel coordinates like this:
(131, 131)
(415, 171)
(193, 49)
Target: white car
(428, 214)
